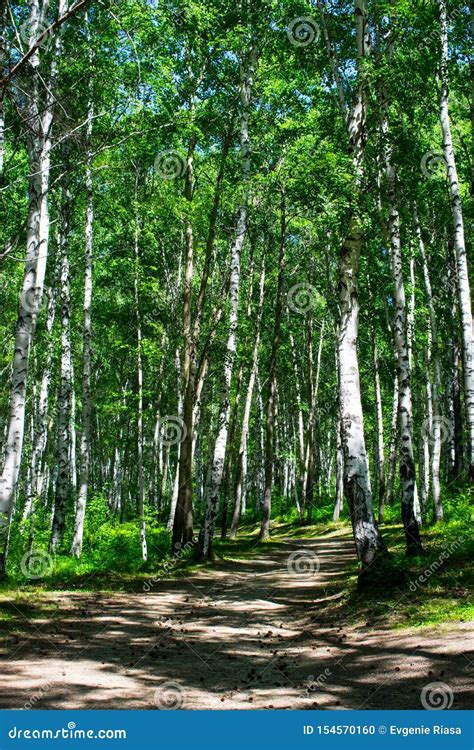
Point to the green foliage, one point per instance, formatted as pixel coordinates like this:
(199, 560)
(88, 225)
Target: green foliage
(166, 76)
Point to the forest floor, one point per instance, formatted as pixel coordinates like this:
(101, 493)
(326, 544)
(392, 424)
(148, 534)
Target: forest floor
(249, 632)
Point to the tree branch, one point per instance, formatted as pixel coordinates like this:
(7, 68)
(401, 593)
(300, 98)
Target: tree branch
(34, 47)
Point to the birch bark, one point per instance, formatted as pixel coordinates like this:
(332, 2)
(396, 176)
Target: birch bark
(435, 432)
(241, 469)
(463, 287)
(65, 387)
(85, 444)
(39, 149)
(357, 487)
(271, 411)
(213, 484)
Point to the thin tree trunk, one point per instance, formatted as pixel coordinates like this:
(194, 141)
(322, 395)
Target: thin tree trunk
(301, 449)
(228, 463)
(272, 382)
(402, 334)
(312, 423)
(455, 395)
(140, 467)
(463, 288)
(392, 451)
(339, 472)
(405, 413)
(65, 387)
(176, 485)
(435, 433)
(339, 447)
(380, 453)
(157, 466)
(72, 436)
(41, 422)
(247, 71)
(181, 514)
(85, 447)
(260, 469)
(183, 518)
(241, 468)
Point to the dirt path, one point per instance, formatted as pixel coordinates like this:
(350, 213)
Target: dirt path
(244, 635)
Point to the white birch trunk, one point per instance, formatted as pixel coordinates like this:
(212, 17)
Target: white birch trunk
(85, 447)
(312, 422)
(41, 422)
(380, 443)
(65, 387)
(463, 288)
(261, 444)
(400, 332)
(339, 446)
(174, 496)
(241, 470)
(357, 488)
(72, 438)
(216, 470)
(339, 473)
(424, 411)
(301, 450)
(435, 431)
(392, 451)
(39, 148)
(141, 473)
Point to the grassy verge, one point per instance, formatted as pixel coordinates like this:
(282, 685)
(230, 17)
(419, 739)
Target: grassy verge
(428, 590)
(431, 589)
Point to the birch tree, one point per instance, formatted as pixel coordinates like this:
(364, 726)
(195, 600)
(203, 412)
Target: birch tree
(247, 72)
(463, 287)
(39, 152)
(85, 447)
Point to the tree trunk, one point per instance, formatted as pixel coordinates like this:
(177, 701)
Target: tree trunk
(37, 242)
(402, 330)
(339, 472)
(405, 412)
(357, 489)
(272, 383)
(85, 447)
(463, 288)
(313, 421)
(301, 448)
(228, 463)
(140, 467)
(392, 450)
(213, 484)
(40, 438)
(241, 468)
(65, 387)
(435, 432)
(380, 443)
(181, 516)
(176, 485)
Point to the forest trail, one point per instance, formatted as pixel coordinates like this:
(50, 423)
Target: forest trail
(244, 634)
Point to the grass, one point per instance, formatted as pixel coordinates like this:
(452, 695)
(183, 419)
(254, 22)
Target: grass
(427, 590)
(431, 589)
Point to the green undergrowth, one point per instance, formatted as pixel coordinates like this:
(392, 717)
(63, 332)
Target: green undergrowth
(430, 589)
